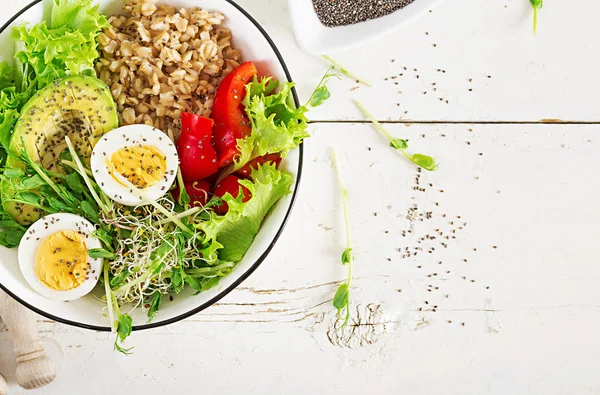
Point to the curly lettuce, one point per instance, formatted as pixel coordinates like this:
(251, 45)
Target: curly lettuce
(45, 52)
(231, 235)
(65, 46)
(277, 126)
(12, 99)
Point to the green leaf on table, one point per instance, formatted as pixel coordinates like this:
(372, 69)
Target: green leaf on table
(425, 161)
(341, 297)
(321, 92)
(537, 5)
(124, 328)
(319, 96)
(345, 71)
(400, 145)
(347, 256)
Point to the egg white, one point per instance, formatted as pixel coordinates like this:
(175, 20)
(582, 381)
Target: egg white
(33, 238)
(129, 136)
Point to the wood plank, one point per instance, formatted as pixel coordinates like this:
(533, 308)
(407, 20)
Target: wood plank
(533, 331)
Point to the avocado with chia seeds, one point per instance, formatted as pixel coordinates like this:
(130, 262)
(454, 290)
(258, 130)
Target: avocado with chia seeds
(80, 107)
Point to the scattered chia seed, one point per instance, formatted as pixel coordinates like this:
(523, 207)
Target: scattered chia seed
(334, 13)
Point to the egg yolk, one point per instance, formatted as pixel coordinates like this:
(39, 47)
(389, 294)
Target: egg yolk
(61, 261)
(143, 166)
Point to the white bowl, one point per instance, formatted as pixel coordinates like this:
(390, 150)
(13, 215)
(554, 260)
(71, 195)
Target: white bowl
(255, 45)
(316, 38)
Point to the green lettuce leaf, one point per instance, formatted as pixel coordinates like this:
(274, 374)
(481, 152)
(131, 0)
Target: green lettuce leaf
(235, 231)
(263, 87)
(11, 101)
(277, 126)
(8, 117)
(80, 15)
(44, 53)
(66, 47)
(11, 238)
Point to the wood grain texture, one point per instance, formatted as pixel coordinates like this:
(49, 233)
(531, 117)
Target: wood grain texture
(532, 331)
(552, 75)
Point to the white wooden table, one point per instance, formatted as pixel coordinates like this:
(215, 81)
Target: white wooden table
(510, 306)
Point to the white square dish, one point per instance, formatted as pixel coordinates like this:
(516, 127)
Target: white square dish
(316, 38)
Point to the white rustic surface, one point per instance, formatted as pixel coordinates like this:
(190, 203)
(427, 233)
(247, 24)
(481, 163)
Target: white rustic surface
(521, 318)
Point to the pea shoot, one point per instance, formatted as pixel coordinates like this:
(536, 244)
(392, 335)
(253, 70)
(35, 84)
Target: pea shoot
(537, 5)
(345, 71)
(341, 299)
(321, 92)
(400, 145)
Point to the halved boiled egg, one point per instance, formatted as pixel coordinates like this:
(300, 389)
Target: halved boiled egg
(134, 158)
(53, 256)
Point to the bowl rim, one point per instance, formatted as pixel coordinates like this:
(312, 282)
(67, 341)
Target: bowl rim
(252, 268)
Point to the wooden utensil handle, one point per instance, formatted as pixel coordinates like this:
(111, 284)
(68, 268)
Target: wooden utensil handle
(34, 369)
(3, 386)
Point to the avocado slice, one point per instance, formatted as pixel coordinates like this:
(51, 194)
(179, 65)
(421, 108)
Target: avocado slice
(80, 107)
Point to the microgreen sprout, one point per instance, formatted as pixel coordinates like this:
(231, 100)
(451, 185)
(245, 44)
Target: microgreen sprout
(109, 298)
(537, 5)
(74, 166)
(86, 179)
(124, 326)
(341, 299)
(400, 145)
(146, 199)
(181, 215)
(146, 258)
(207, 271)
(321, 92)
(345, 71)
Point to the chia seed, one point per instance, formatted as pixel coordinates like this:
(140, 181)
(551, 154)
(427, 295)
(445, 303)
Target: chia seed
(333, 13)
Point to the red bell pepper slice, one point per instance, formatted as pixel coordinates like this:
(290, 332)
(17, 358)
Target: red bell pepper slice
(245, 171)
(197, 156)
(231, 122)
(230, 184)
